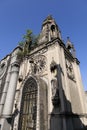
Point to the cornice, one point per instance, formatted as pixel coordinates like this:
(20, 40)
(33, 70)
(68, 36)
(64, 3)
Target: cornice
(50, 43)
(44, 47)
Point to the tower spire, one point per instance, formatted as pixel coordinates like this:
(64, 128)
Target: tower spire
(70, 47)
(50, 30)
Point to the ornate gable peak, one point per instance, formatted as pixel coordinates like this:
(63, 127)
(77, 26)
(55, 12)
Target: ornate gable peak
(49, 19)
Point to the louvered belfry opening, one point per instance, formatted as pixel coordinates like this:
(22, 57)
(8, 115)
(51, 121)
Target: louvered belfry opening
(28, 112)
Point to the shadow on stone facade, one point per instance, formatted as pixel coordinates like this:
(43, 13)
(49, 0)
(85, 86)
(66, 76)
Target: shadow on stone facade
(62, 117)
(11, 119)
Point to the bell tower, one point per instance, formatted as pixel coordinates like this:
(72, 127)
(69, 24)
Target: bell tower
(50, 30)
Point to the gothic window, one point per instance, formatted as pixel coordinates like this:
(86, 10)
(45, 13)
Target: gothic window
(53, 28)
(2, 69)
(27, 120)
(52, 31)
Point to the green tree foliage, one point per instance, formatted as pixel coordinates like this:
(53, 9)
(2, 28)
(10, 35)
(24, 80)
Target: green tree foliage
(30, 39)
(21, 43)
(28, 43)
(28, 36)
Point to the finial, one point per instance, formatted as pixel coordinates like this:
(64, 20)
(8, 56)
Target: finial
(73, 51)
(68, 44)
(70, 47)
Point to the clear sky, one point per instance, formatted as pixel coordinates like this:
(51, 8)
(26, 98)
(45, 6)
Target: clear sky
(16, 16)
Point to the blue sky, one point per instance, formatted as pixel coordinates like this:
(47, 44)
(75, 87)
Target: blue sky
(16, 16)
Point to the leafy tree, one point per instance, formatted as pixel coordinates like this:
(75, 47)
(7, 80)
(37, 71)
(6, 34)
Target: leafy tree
(28, 36)
(21, 43)
(28, 43)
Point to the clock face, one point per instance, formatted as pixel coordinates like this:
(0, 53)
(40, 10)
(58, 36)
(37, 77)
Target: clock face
(2, 69)
(39, 64)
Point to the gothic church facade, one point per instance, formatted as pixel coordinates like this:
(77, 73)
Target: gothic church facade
(44, 91)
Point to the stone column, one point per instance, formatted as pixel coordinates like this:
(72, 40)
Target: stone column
(0, 100)
(7, 111)
(4, 93)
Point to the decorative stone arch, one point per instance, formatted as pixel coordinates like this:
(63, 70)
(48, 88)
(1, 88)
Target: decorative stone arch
(33, 107)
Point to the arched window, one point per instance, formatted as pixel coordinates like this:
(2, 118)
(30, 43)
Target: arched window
(27, 120)
(53, 28)
(53, 32)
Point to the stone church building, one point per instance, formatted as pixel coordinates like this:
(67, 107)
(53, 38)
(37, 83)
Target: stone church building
(44, 91)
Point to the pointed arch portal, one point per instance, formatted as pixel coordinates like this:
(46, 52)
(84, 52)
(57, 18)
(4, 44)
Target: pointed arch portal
(28, 110)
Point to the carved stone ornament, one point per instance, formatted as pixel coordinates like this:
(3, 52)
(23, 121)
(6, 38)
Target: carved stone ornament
(55, 93)
(69, 68)
(38, 64)
(54, 87)
(53, 66)
(20, 78)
